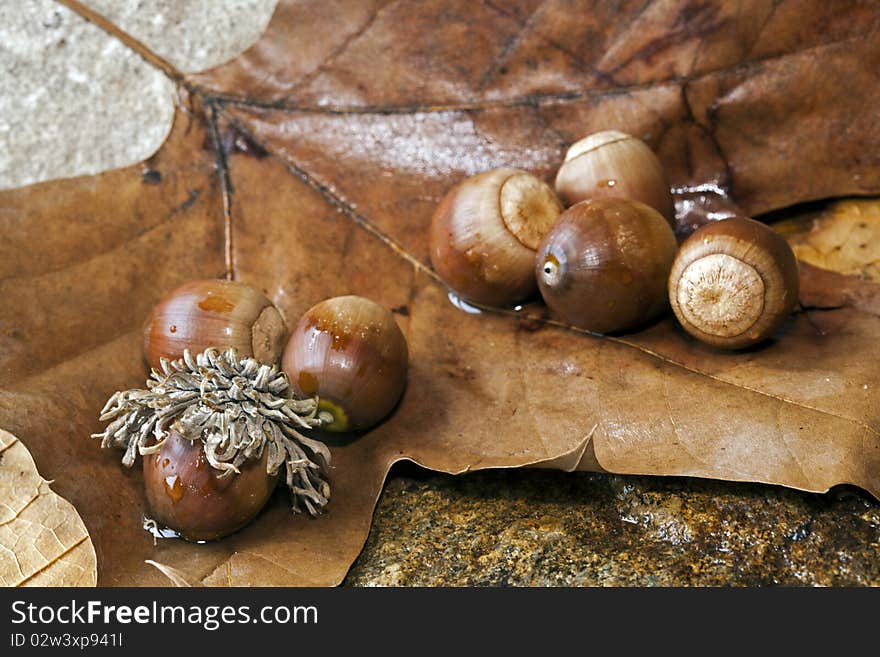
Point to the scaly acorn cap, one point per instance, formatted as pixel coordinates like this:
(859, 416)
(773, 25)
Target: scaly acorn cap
(237, 407)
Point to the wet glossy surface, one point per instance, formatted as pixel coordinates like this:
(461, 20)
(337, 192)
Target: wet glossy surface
(349, 351)
(188, 496)
(213, 313)
(604, 265)
(542, 528)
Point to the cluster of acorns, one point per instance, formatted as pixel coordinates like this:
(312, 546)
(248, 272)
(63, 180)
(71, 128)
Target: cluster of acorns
(220, 422)
(611, 262)
(220, 419)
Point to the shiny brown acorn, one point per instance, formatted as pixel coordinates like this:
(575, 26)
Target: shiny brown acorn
(485, 231)
(733, 283)
(604, 265)
(350, 352)
(214, 313)
(195, 499)
(613, 164)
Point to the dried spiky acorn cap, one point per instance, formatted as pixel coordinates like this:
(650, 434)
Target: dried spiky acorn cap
(237, 409)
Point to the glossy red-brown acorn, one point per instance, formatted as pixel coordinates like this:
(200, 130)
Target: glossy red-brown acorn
(213, 313)
(191, 497)
(604, 265)
(350, 352)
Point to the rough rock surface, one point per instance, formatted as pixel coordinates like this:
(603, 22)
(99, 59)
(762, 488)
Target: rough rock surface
(544, 528)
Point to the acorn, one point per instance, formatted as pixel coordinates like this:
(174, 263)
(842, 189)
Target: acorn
(349, 352)
(217, 431)
(214, 313)
(733, 283)
(604, 265)
(485, 231)
(613, 164)
(197, 500)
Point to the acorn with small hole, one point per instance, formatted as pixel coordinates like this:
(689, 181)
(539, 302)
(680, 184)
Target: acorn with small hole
(603, 266)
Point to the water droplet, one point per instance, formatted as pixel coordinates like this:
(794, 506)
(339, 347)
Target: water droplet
(158, 531)
(461, 304)
(216, 304)
(174, 488)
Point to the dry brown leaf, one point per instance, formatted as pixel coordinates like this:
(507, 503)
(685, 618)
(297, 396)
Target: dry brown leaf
(177, 578)
(309, 167)
(43, 541)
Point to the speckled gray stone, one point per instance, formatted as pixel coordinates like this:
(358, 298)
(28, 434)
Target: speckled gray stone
(72, 99)
(545, 528)
(191, 34)
(76, 101)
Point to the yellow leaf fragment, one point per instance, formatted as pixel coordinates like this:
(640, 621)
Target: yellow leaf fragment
(43, 541)
(845, 237)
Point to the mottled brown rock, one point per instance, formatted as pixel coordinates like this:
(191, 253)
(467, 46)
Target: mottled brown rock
(531, 528)
(309, 168)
